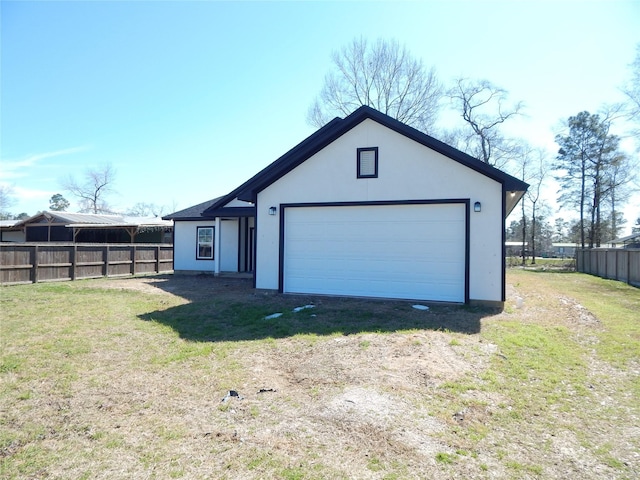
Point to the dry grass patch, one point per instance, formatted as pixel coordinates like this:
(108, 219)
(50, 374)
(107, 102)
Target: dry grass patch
(126, 379)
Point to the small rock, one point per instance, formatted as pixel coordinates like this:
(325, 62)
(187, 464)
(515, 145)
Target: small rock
(272, 316)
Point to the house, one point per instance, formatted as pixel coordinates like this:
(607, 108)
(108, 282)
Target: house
(53, 226)
(215, 236)
(366, 206)
(514, 249)
(563, 249)
(10, 233)
(630, 241)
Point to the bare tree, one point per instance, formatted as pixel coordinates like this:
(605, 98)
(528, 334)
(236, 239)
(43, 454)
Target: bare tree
(632, 89)
(482, 106)
(92, 191)
(383, 76)
(6, 201)
(525, 165)
(143, 209)
(538, 175)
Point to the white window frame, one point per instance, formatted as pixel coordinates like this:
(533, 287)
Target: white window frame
(205, 242)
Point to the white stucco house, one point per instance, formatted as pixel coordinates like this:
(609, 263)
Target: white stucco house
(366, 206)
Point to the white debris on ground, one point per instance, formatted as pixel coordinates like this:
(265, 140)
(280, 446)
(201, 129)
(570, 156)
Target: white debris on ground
(420, 307)
(295, 310)
(304, 307)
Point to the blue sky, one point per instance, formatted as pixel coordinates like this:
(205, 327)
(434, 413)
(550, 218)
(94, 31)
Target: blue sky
(188, 99)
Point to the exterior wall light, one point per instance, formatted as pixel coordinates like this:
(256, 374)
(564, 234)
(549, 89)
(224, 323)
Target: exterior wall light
(477, 207)
(272, 210)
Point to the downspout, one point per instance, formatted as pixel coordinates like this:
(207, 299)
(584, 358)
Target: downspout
(504, 246)
(255, 240)
(216, 247)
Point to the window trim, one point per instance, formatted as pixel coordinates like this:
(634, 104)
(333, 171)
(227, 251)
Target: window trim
(367, 149)
(213, 243)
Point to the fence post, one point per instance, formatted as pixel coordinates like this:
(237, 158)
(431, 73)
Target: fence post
(35, 264)
(105, 257)
(74, 254)
(158, 259)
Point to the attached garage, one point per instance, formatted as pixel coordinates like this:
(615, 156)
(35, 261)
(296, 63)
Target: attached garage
(414, 250)
(369, 207)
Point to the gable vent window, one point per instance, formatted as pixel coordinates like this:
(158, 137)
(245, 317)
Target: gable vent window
(368, 162)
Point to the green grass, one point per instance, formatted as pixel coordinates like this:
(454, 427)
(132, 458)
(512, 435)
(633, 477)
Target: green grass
(94, 380)
(446, 458)
(544, 365)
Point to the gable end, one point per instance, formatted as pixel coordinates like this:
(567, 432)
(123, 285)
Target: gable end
(338, 127)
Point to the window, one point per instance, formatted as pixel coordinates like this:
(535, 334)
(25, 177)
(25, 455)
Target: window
(205, 243)
(368, 162)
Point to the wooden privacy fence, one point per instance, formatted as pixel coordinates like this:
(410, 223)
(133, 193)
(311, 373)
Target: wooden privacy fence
(42, 262)
(614, 263)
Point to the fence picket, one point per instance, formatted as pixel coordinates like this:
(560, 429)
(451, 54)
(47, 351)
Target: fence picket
(590, 261)
(44, 261)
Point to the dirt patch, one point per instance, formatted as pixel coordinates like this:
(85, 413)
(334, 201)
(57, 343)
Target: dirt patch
(578, 314)
(405, 401)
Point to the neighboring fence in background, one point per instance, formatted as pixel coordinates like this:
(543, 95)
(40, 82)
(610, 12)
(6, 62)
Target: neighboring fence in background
(46, 262)
(621, 264)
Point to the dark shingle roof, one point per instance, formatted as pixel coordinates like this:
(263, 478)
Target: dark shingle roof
(338, 127)
(192, 213)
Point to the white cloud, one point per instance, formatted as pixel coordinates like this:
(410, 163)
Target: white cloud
(31, 194)
(18, 168)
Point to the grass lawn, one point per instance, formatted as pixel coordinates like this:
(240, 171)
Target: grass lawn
(183, 377)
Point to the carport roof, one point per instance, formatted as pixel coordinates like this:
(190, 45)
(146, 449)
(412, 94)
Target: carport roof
(91, 220)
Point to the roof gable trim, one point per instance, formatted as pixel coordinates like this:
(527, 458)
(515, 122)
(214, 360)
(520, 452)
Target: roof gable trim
(338, 127)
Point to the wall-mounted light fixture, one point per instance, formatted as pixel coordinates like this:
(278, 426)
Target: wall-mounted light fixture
(477, 207)
(272, 210)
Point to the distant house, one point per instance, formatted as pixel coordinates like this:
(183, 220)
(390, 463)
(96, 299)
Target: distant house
(514, 249)
(630, 241)
(366, 206)
(50, 226)
(10, 233)
(563, 250)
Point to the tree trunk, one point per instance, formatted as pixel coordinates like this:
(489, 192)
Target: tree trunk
(533, 234)
(582, 198)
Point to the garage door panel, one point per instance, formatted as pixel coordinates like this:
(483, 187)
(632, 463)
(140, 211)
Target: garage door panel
(394, 251)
